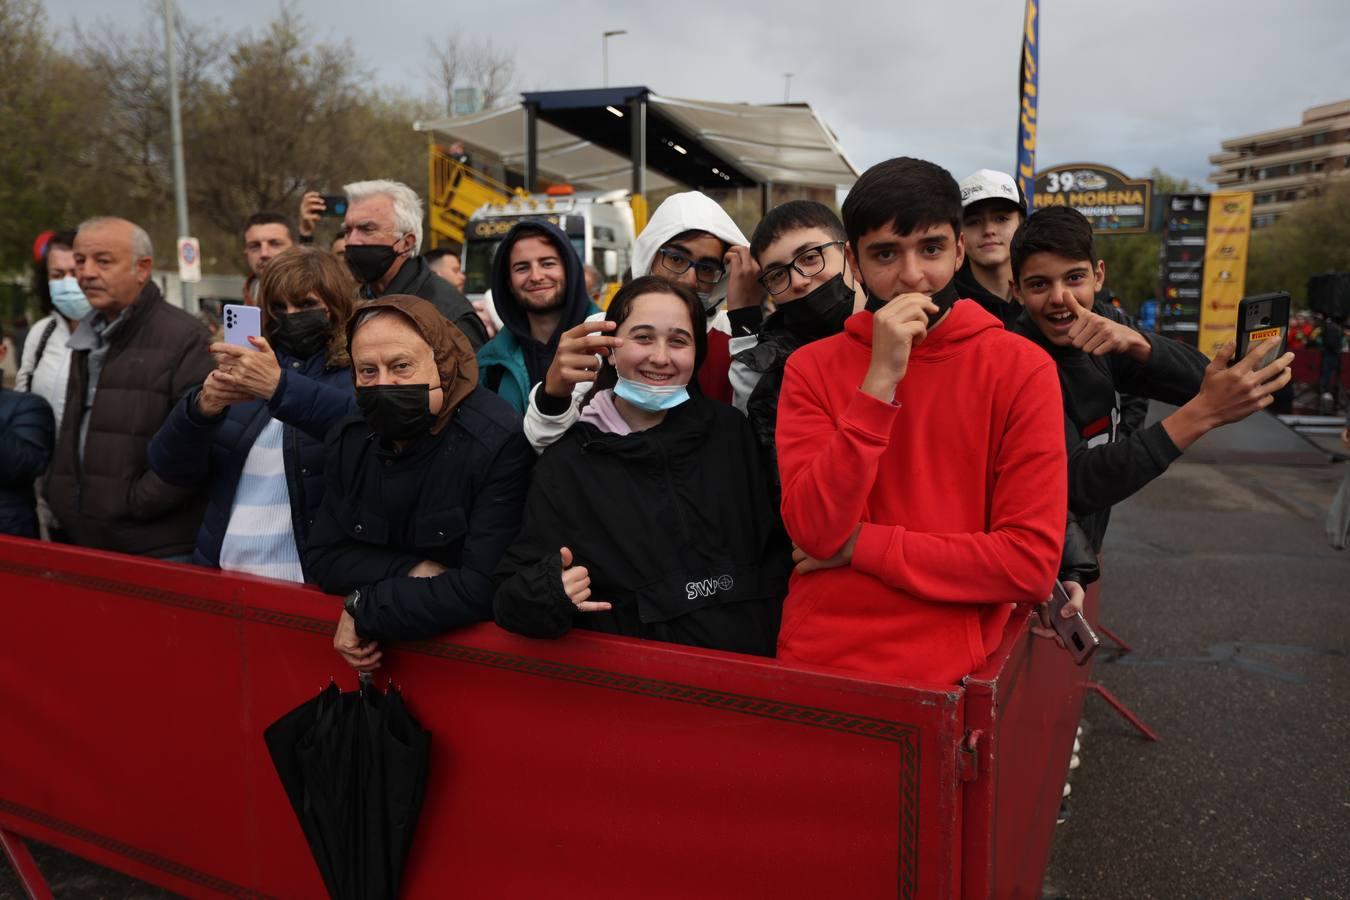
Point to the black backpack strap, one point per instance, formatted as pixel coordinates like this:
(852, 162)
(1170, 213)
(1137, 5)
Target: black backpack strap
(42, 347)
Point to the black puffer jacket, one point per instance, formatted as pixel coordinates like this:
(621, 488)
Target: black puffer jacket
(675, 525)
(110, 499)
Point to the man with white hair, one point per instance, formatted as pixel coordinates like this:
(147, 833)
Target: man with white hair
(383, 228)
(131, 357)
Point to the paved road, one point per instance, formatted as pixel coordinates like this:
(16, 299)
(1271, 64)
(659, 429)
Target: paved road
(1240, 619)
(1239, 615)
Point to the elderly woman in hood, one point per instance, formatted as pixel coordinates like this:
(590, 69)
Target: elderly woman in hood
(691, 241)
(424, 489)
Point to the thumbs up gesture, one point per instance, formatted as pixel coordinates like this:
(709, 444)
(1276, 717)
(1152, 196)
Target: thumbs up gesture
(1098, 335)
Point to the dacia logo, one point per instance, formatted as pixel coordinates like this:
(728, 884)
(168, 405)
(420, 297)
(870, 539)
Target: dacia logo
(708, 586)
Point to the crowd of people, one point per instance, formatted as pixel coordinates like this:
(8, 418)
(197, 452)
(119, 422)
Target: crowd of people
(906, 420)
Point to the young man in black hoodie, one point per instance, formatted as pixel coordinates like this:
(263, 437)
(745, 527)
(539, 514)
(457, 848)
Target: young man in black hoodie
(992, 208)
(539, 290)
(1055, 276)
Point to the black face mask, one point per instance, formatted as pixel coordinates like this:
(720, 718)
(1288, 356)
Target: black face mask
(397, 412)
(943, 299)
(820, 313)
(302, 334)
(369, 262)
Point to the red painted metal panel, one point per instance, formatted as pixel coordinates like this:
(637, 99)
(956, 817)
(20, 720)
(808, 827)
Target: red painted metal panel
(1026, 703)
(134, 695)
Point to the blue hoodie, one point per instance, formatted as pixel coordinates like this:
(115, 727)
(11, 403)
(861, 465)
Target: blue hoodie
(513, 361)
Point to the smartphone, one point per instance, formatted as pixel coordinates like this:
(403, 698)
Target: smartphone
(334, 206)
(241, 323)
(1078, 637)
(1261, 318)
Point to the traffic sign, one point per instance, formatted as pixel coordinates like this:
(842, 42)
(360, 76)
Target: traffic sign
(189, 260)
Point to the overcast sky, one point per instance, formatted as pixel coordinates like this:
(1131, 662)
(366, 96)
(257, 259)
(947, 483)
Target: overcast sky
(1131, 84)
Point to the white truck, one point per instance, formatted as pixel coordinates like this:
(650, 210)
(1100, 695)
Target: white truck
(599, 225)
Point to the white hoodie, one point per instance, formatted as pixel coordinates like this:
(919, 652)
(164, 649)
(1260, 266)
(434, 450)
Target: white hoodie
(690, 211)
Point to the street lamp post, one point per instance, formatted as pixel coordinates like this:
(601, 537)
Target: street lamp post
(176, 130)
(604, 52)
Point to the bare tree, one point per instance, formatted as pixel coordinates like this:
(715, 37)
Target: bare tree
(457, 62)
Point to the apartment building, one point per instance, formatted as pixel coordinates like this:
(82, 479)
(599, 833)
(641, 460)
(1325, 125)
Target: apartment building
(1286, 164)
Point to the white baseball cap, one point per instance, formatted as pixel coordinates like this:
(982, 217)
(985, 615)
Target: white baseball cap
(988, 184)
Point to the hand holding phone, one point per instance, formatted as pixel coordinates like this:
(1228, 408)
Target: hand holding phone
(1073, 632)
(241, 323)
(334, 206)
(1261, 318)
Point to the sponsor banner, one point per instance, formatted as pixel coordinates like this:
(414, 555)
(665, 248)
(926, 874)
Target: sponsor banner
(1225, 272)
(1185, 223)
(1028, 73)
(1112, 202)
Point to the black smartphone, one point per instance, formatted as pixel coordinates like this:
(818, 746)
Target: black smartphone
(334, 206)
(1078, 637)
(1261, 318)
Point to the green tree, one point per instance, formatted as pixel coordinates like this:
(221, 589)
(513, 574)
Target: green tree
(41, 99)
(1311, 238)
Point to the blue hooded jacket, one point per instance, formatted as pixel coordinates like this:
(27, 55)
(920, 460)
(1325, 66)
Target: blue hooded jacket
(513, 361)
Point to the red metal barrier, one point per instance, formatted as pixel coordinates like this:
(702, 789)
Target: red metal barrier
(133, 696)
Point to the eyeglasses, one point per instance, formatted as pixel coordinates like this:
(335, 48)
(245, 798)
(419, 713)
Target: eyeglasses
(677, 262)
(810, 261)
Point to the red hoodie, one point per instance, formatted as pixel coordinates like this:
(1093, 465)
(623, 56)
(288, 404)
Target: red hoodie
(960, 486)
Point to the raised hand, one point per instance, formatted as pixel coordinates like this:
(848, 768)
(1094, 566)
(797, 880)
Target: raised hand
(216, 395)
(576, 360)
(1099, 335)
(897, 328)
(743, 273)
(1230, 393)
(311, 206)
(255, 373)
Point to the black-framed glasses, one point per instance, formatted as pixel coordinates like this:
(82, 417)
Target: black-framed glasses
(810, 261)
(677, 262)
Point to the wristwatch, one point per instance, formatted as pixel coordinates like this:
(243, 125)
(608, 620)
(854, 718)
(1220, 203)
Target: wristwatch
(350, 602)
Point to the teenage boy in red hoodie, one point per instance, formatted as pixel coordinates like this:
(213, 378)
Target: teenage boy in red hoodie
(921, 454)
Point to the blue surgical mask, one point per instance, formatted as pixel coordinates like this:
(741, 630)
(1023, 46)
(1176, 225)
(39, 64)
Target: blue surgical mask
(651, 397)
(68, 299)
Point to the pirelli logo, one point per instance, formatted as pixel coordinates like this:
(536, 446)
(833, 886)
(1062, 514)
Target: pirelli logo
(1263, 335)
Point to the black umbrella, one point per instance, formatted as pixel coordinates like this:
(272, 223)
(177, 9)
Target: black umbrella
(354, 767)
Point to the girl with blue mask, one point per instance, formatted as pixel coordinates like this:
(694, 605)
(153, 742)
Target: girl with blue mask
(654, 515)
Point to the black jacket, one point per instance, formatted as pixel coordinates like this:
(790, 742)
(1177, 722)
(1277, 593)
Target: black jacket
(27, 433)
(675, 526)
(191, 449)
(1104, 467)
(454, 498)
(969, 287)
(417, 279)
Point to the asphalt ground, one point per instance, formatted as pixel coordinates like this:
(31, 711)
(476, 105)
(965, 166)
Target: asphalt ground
(1220, 578)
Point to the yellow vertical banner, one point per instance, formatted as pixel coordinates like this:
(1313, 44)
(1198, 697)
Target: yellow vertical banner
(1230, 229)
